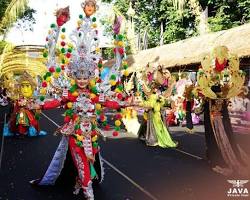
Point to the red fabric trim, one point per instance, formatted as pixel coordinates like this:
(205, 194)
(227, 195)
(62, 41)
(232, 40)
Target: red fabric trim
(74, 149)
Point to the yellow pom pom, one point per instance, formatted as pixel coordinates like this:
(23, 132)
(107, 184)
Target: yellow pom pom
(120, 43)
(63, 37)
(43, 91)
(56, 75)
(79, 22)
(69, 104)
(48, 79)
(66, 61)
(72, 82)
(94, 138)
(115, 43)
(117, 122)
(92, 82)
(112, 82)
(94, 25)
(92, 95)
(98, 106)
(75, 94)
(126, 73)
(98, 50)
(117, 90)
(79, 137)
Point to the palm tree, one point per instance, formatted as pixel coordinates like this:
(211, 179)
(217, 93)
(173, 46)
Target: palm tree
(201, 15)
(14, 10)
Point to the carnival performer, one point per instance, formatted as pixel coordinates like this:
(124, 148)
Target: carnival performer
(188, 105)
(156, 132)
(130, 119)
(84, 100)
(24, 117)
(218, 80)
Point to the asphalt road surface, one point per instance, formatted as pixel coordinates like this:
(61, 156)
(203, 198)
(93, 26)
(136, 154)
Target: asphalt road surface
(133, 171)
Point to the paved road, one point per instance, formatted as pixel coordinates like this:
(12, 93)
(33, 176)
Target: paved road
(145, 173)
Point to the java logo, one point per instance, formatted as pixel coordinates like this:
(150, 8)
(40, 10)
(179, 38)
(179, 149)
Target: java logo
(238, 189)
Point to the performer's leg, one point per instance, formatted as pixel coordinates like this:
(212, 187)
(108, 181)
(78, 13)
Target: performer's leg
(82, 165)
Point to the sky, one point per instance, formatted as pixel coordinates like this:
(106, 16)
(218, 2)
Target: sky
(44, 17)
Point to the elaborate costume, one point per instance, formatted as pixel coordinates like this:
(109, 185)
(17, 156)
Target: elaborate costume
(188, 107)
(156, 131)
(84, 96)
(24, 117)
(218, 80)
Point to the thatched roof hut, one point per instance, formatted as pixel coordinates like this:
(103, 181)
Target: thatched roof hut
(188, 53)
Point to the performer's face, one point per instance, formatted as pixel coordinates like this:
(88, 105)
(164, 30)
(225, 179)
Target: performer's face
(82, 83)
(26, 89)
(89, 9)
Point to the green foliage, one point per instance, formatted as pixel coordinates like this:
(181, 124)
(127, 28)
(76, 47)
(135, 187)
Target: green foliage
(108, 53)
(3, 5)
(150, 15)
(227, 14)
(2, 45)
(222, 15)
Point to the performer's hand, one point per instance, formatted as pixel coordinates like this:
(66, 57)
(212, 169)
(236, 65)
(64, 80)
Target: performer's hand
(91, 158)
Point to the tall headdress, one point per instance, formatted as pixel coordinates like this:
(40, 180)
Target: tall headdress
(220, 76)
(86, 53)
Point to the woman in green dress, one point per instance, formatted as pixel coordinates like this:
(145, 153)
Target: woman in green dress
(156, 133)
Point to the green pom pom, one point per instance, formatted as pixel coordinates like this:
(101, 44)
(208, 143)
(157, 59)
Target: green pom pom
(52, 25)
(69, 113)
(93, 127)
(70, 50)
(100, 65)
(63, 50)
(93, 19)
(95, 144)
(63, 30)
(44, 77)
(104, 123)
(58, 69)
(94, 90)
(120, 37)
(45, 54)
(42, 98)
(63, 61)
(125, 66)
(77, 126)
(37, 116)
(73, 88)
(120, 87)
(98, 112)
(48, 74)
(80, 16)
(79, 143)
(117, 128)
(113, 77)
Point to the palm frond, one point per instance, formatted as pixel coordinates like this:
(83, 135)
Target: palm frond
(179, 4)
(15, 9)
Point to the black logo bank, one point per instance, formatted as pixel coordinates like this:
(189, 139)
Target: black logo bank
(238, 189)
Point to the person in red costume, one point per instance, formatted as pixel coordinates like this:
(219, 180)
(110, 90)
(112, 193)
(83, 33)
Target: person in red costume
(78, 154)
(24, 118)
